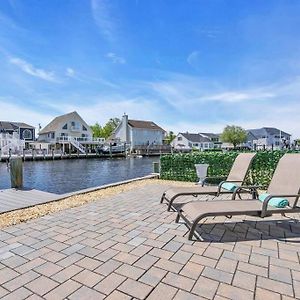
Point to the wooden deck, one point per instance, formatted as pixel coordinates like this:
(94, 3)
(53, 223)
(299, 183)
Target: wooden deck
(12, 199)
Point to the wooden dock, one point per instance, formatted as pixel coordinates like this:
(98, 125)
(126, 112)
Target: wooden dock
(12, 199)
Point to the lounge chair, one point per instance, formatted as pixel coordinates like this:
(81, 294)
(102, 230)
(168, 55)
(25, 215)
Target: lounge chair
(284, 185)
(237, 176)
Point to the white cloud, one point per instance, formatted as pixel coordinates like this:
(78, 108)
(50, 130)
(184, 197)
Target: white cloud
(115, 58)
(28, 68)
(70, 72)
(239, 96)
(103, 18)
(19, 113)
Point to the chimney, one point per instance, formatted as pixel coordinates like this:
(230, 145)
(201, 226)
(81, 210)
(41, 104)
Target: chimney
(125, 128)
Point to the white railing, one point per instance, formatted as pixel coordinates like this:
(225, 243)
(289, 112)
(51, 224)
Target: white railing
(11, 143)
(80, 139)
(73, 141)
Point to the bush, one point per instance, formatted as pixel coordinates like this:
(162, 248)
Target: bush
(181, 166)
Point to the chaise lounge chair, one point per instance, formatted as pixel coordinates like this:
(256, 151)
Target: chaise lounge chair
(284, 186)
(236, 176)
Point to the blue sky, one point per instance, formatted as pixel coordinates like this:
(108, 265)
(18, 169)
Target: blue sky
(189, 65)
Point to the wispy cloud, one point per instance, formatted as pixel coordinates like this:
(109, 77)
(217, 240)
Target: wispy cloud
(29, 69)
(239, 96)
(103, 18)
(193, 58)
(115, 58)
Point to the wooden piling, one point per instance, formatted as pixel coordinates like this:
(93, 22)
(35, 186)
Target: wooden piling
(16, 172)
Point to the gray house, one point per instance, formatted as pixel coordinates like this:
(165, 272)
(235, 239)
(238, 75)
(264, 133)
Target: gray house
(267, 138)
(26, 132)
(138, 133)
(188, 141)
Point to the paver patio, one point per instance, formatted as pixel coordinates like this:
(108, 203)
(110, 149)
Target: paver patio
(129, 247)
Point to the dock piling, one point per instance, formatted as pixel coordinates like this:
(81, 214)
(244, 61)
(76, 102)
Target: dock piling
(16, 172)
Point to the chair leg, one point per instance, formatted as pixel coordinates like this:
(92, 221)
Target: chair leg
(177, 218)
(192, 231)
(162, 197)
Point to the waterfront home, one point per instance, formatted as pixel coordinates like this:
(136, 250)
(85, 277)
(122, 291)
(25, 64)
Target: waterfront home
(188, 141)
(267, 138)
(139, 133)
(214, 137)
(25, 132)
(15, 136)
(68, 133)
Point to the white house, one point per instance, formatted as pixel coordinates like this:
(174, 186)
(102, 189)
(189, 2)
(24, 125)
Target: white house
(138, 133)
(189, 141)
(267, 138)
(68, 132)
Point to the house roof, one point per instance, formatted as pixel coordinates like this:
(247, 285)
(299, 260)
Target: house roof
(195, 137)
(144, 125)
(56, 122)
(7, 125)
(264, 131)
(210, 135)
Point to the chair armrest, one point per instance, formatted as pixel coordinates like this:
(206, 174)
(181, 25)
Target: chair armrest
(222, 182)
(248, 188)
(266, 201)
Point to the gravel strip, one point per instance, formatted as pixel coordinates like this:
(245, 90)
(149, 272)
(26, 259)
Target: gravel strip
(25, 214)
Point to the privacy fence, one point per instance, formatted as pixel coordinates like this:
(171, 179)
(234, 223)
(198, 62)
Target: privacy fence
(182, 166)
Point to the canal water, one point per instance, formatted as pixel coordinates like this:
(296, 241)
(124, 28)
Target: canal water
(64, 176)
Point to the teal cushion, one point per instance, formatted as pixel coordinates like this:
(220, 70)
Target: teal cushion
(276, 202)
(229, 186)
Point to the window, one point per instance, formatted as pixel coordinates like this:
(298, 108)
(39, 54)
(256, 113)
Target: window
(75, 125)
(52, 135)
(84, 128)
(27, 134)
(196, 144)
(65, 126)
(179, 138)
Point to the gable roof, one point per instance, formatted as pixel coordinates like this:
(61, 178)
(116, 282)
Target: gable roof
(56, 122)
(264, 131)
(7, 125)
(144, 125)
(195, 137)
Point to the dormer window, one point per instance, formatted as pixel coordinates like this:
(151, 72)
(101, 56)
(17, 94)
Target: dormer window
(84, 128)
(65, 126)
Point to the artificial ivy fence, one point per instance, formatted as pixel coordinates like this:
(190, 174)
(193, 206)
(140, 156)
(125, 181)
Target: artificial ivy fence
(182, 166)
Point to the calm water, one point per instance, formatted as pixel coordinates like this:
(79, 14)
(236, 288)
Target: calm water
(63, 176)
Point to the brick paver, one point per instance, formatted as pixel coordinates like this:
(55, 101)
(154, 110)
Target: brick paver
(129, 247)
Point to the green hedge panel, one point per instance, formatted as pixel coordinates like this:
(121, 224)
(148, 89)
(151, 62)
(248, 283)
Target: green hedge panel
(181, 166)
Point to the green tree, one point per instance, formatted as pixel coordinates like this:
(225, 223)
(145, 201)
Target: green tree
(97, 130)
(107, 129)
(234, 135)
(170, 137)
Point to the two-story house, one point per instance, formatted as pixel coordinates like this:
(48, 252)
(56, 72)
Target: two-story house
(15, 136)
(68, 132)
(268, 138)
(188, 141)
(139, 133)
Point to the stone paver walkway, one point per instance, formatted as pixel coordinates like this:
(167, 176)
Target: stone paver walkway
(129, 247)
